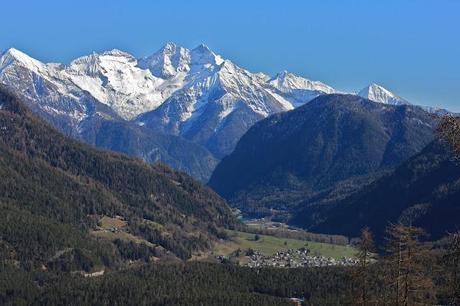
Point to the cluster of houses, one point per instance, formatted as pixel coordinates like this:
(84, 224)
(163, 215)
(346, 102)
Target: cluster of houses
(295, 258)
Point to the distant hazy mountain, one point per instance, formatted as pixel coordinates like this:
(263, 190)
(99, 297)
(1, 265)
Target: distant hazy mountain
(424, 192)
(334, 138)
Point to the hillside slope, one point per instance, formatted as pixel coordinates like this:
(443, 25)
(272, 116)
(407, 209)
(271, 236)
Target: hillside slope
(54, 192)
(424, 192)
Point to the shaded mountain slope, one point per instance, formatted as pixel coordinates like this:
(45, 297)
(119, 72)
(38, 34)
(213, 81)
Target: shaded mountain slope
(334, 138)
(149, 145)
(424, 192)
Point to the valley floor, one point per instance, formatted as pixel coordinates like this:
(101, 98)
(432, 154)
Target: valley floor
(277, 248)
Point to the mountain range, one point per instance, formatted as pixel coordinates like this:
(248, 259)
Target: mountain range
(187, 108)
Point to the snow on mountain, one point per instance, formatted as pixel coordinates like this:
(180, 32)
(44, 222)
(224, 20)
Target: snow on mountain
(175, 61)
(220, 101)
(13, 60)
(115, 79)
(192, 93)
(438, 111)
(380, 94)
(13, 55)
(167, 62)
(43, 86)
(297, 90)
(132, 87)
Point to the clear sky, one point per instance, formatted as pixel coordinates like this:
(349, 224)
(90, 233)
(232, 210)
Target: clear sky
(412, 47)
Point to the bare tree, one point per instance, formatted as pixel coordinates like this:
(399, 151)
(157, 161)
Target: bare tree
(408, 280)
(362, 275)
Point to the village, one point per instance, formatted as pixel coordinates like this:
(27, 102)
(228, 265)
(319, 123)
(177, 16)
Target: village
(289, 258)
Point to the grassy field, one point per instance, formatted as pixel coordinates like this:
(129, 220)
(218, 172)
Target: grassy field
(269, 245)
(108, 223)
(114, 228)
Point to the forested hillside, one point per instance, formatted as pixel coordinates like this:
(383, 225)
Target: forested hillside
(423, 192)
(334, 139)
(55, 194)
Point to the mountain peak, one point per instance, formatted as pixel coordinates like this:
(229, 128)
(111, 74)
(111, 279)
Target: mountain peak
(116, 52)
(168, 61)
(15, 52)
(286, 81)
(380, 94)
(202, 48)
(202, 55)
(14, 55)
(169, 46)
(282, 74)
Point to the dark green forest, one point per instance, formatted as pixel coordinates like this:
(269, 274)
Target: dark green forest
(409, 272)
(53, 191)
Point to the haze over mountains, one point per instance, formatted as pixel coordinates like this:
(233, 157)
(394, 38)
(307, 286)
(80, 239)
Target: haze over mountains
(187, 108)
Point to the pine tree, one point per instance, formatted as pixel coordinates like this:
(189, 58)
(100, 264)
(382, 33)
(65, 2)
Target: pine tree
(406, 259)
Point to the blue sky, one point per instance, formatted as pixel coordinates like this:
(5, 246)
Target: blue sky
(410, 46)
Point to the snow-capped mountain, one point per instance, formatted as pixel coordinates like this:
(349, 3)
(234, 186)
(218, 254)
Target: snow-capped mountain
(46, 92)
(193, 93)
(67, 97)
(380, 94)
(114, 78)
(185, 107)
(219, 100)
(296, 89)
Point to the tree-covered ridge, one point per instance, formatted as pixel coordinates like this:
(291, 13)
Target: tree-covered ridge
(331, 140)
(52, 184)
(424, 192)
